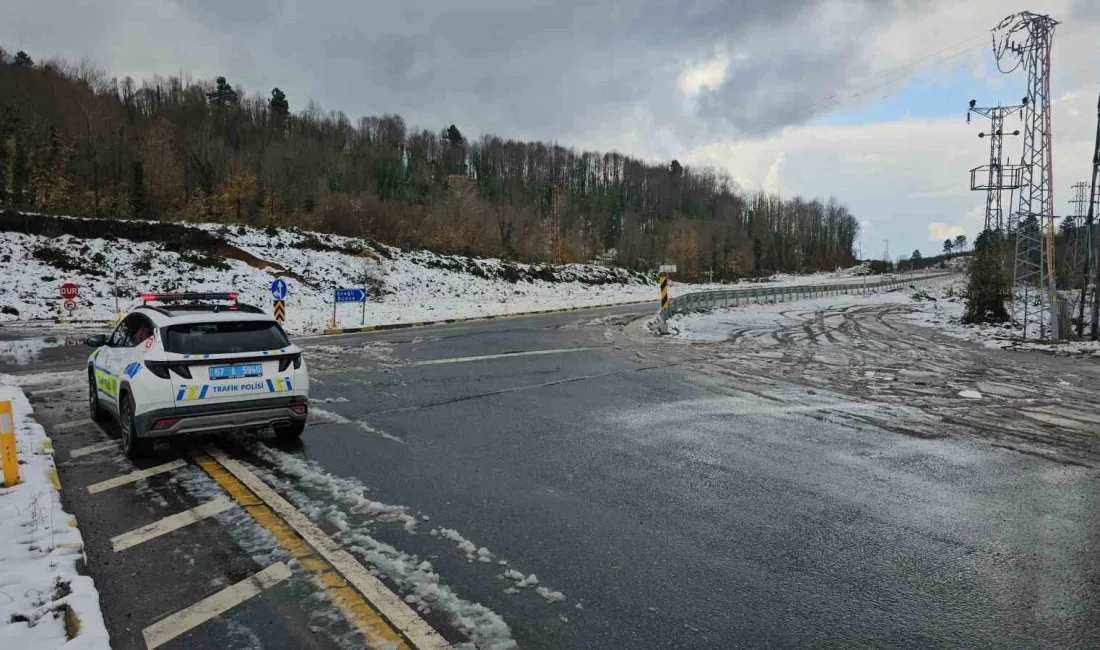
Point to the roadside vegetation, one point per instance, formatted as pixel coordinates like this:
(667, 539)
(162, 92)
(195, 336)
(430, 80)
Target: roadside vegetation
(74, 141)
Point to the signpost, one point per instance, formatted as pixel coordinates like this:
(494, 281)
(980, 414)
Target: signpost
(350, 295)
(69, 292)
(278, 292)
(278, 289)
(664, 270)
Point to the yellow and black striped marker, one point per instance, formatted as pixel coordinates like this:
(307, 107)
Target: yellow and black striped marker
(280, 311)
(664, 294)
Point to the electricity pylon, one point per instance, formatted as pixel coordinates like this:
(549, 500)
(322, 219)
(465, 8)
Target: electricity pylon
(995, 177)
(1026, 38)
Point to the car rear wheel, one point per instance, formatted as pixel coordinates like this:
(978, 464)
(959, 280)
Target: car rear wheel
(94, 409)
(132, 446)
(290, 432)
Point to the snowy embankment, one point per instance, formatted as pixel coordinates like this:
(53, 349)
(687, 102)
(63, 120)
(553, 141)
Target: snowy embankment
(44, 601)
(404, 286)
(720, 324)
(940, 304)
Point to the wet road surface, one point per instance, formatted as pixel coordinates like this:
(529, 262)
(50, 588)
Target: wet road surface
(820, 483)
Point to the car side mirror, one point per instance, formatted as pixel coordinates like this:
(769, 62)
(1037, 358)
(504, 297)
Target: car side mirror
(96, 341)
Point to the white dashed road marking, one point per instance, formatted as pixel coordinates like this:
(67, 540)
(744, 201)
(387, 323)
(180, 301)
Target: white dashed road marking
(135, 476)
(93, 449)
(168, 524)
(505, 355)
(184, 620)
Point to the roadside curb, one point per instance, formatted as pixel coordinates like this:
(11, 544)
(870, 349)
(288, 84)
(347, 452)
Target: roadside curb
(447, 321)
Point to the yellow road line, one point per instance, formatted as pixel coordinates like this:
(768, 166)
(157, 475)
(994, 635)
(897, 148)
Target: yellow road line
(359, 613)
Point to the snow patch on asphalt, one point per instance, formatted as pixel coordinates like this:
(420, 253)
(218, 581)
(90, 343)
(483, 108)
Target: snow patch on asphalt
(40, 547)
(970, 394)
(324, 497)
(465, 546)
(336, 418)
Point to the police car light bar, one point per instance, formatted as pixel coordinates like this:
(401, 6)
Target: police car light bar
(178, 297)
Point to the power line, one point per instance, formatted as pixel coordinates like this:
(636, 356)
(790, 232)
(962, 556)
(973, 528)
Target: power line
(906, 69)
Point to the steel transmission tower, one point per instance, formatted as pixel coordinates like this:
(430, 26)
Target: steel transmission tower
(994, 177)
(1026, 38)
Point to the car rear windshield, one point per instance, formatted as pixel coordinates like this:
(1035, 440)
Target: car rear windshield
(224, 337)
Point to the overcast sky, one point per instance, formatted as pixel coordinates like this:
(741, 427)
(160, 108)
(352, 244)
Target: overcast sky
(861, 99)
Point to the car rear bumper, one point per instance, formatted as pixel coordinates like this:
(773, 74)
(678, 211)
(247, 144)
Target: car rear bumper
(204, 419)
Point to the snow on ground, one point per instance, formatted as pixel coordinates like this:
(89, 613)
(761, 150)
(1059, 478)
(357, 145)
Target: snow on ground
(345, 504)
(44, 601)
(405, 286)
(720, 324)
(938, 304)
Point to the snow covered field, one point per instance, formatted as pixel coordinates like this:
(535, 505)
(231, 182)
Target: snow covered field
(44, 601)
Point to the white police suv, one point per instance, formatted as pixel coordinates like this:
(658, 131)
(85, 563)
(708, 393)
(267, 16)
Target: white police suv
(196, 363)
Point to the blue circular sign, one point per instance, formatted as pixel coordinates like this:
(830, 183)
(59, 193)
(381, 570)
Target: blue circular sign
(278, 289)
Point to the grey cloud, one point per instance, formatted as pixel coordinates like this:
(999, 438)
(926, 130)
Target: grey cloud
(1086, 10)
(525, 68)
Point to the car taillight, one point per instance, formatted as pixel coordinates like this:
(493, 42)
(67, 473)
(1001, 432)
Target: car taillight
(166, 423)
(158, 368)
(284, 363)
(300, 409)
(180, 369)
(297, 362)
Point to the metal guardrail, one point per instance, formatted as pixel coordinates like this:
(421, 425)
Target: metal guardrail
(702, 300)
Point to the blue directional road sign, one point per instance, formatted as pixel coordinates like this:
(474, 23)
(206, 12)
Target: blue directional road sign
(278, 289)
(351, 295)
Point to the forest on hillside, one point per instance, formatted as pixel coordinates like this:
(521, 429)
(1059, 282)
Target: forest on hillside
(75, 141)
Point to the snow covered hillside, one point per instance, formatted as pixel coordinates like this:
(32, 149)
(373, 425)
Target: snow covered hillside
(404, 286)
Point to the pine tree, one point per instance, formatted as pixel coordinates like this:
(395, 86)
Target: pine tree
(23, 59)
(278, 105)
(223, 94)
(987, 290)
(916, 258)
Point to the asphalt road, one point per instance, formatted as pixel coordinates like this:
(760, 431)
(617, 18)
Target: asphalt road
(751, 493)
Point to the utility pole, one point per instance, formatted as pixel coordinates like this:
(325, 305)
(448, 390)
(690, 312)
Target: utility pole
(1090, 225)
(886, 254)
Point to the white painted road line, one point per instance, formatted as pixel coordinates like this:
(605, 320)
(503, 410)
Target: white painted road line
(75, 424)
(185, 620)
(505, 355)
(93, 449)
(132, 477)
(418, 633)
(168, 524)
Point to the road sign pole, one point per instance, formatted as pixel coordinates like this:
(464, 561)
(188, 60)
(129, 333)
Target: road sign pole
(363, 318)
(334, 312)
(8, 456)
